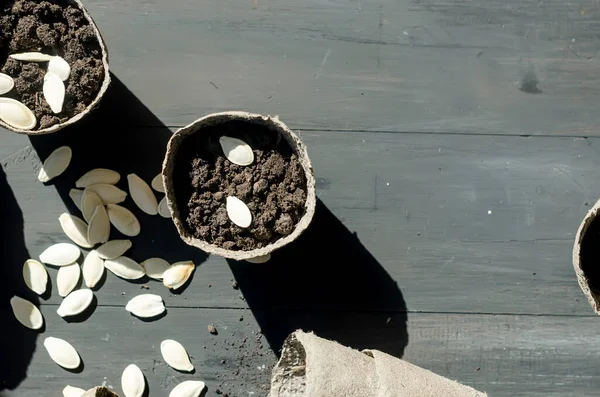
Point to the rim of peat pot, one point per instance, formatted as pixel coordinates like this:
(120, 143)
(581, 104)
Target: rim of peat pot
(272, 123)
(101, 92)
(584, 283)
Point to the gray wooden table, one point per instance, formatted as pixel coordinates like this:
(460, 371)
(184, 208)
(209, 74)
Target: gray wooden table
(456, 150)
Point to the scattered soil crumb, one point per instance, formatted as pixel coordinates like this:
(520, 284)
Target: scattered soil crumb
(212, 329)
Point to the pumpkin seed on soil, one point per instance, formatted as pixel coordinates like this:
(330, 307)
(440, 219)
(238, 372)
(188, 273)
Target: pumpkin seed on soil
(273, 187)
(55, 28)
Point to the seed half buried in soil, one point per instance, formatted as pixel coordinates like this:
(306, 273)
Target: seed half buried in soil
(16, 114)
(62, 352)
(238, 212)
(188, 388)
(55, 164)
(6, 83)
(31, 57)
(75, 303)
(99, 227)
(26, 313)
(125, 267)
(178, 274)
(113, 249)
(108, 193)
(236, 150)
(98, 176)
(175, 355)
(54, 92)
(93, 269)
(67, 278)
(132, 381)
(155, 267)
(70, 391)
(76, 195)
(89, 201)
(61, 254)
(75, 229)
(59, 67)
(163, 208)
(142, 195)
(35, 276)
(146, 306)
(123, 220)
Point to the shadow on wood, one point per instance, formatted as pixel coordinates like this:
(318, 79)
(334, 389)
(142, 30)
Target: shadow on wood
(122, 135)
(327, 282)
(18, 342)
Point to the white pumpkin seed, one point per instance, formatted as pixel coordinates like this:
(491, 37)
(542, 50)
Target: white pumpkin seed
(123, 220)
(26, 313)
(163, 208)
(238, 212)
(55, 164)
(75, 229)
(146, 306)
(259, 259)
(125, 267)
(89, 202)
(93, 269)
(132, 381)
(6, 83)
(178, 274)
(35, 276)
(157, 183)
(76, 195)
(99, 227)
(188, 388)
(175, 355)
(98, 176)
(62, 352)
(59, 67)
(155, 267)
(113, 249)
(31, 57)
(70, 391)
(67, 278)
(54, 92)
(61, 254)
(75, 303)
(108, 193)
(16, 114)
(142, 195)
(236, 150)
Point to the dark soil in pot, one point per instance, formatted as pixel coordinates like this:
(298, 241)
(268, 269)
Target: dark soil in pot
(57, 28)
(590, 254)
(273, 186)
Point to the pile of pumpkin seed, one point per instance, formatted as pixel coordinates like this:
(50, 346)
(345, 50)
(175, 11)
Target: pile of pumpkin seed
(98, 199)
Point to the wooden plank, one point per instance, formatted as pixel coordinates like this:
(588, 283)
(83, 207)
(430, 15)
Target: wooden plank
(503, 355)
(431, 66)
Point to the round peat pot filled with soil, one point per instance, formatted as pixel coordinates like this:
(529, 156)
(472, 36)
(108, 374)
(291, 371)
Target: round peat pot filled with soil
(238, 185)
(53, 65)
(586, 256)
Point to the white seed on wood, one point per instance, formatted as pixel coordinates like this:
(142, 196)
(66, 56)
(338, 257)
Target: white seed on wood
(113, 249)
(125, 267)
(260, 259)
(54, 92)
(35, 276)
(123, 220)
(55, 164)
(26, 313)
(99, 227)
(89, 201)
(236, 150)
(59, 67)
(188, 388)
(175, 355)
(76, 195)
(31, 57)
(163, 208)
(70, 391)
(146, 306)
(155, 267)
(6, 83)
(98, 176)
(16, 114)
(108, 193)
(75, 303)
(132, 381)
(61, 254)
(238, 212)
(75, 229)
(67, 278)
(62, 352)
(92, 269)
(142, 195)
(178, 274)
(157, 183)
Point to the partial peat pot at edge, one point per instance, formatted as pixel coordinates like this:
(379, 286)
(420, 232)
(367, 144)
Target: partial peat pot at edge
(586, 256)
(243, 158)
